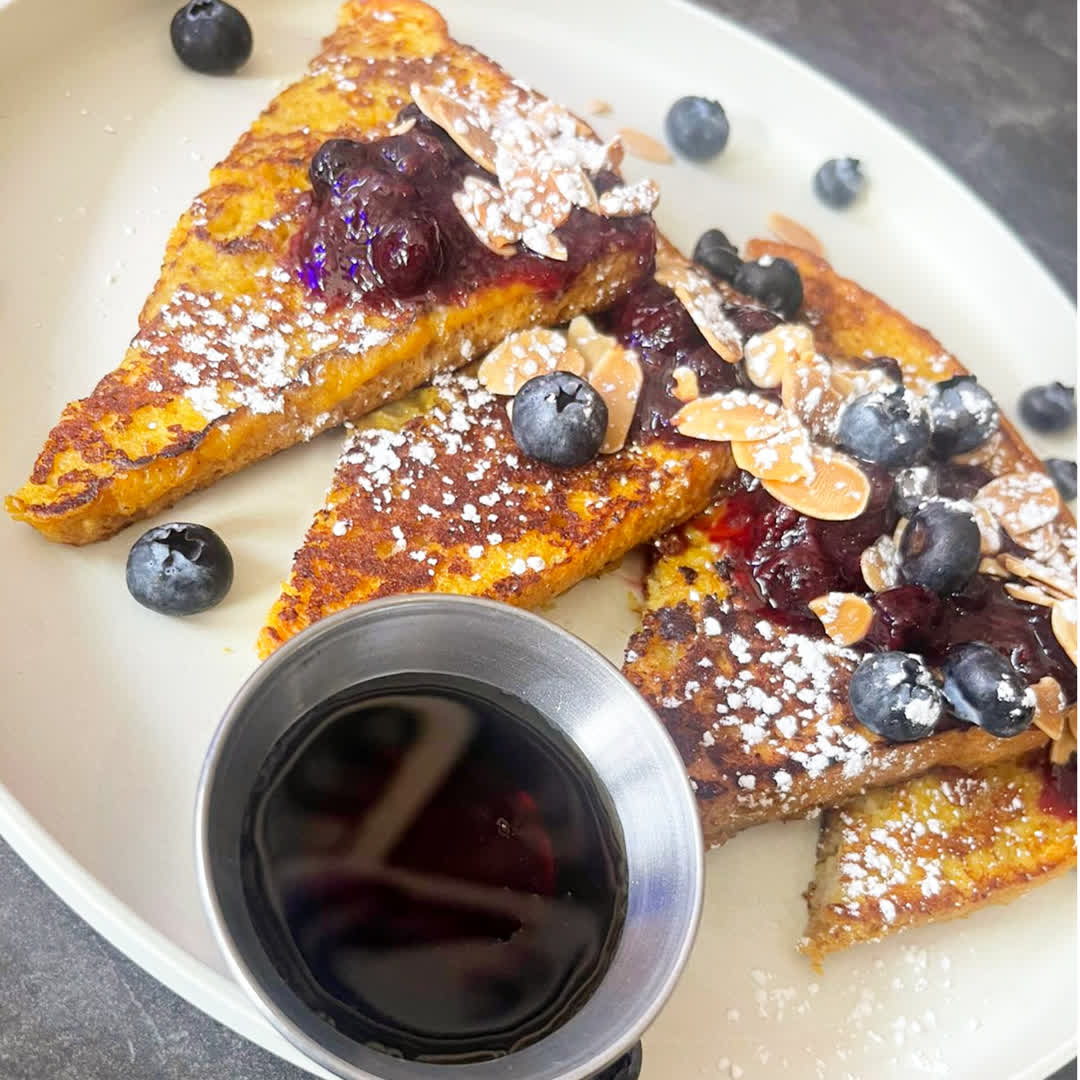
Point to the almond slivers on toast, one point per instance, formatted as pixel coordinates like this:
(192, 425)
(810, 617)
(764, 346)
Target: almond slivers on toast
(242, 350)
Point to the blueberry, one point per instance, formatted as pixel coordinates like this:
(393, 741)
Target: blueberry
(963, 415)
(1049, 408)
(332, 159)
(911, 487)
(984, 688)
(407, 253)
(211, 36)
(1063, 473)
(697, 127)
(838, 181)
(559, 419)
(889, 429)
(775, 282)
(179, 569)
(939, 547)
(717, 254)
(895, 694)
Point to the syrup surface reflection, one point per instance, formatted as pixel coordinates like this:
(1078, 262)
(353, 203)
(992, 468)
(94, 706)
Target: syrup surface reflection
(431, 872)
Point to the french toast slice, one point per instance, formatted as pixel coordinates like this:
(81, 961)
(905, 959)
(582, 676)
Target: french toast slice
(756, 701)
(937, 847)
(433, 494)
(236, 357)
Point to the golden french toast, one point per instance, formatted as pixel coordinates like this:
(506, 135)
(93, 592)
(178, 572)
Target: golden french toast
(287, 304)
(937, 847)
(757, 612)
(433, 493)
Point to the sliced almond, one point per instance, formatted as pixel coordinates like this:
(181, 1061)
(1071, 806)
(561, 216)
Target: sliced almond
(1030, 570)
(458, 122)
(1062, 750)
(898, 530)
(544, 242)
(999, 454)
(617, 378)
(992, 568)
(610, 156)
(1044, 541)
(705, 305)
(989, 532)
(879, 565)
(554, 119)
(1070, 719)
(1049, 707)
(791, 232)
(838, 490)
(808, 388)
(630, 199)
(1021, 501)
(735, 416)
(644, 146)
(1029, 594)
(588, 340)
(1063, 622)
(404, 127)
(767, 355)
(845, 616)
(686, 384)
(481, 205)
(597, 107)
(786, 456)
(524, 355)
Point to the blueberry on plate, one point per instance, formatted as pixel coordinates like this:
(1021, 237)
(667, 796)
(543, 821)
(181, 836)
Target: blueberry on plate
(838, 181)
(912, 487)
(895, 695)
(211, 36)
(717, 254)
(939, 547)
(179, 569)
(983, 688)
(1063, 473)
(559, 419)
(963, 415)
(775, 282)
(697, 127)
(891, 429)
(1049, 408)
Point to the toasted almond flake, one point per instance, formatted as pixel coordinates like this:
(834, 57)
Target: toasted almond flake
(1063, 622)
(851, 377)
(992, 568)
(597, 107)
(846, 617)
(989, 532)
(879, 565)
(404, 127)
(617, 378)
(1029, 594)
(898, 531)
(525, 354)
(838, 490)
(1049, 707)
(807, 387)
(611, 156)
(630, 199)
(644, 146)
(588, 340)
(458, 122)
(1021, 501)
(791, 232)
(785, 456)
(999, 454)
(686, 384)
(705, 305)
(1062, 750)
(482, 207)
(735, 416)
(1042, 542)
(1030, 570)
(544, 242)
(554, 119)
(767, 355)
(1070, 719)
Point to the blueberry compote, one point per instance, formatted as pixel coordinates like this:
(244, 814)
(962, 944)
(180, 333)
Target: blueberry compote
(380, 226)
(432, 871)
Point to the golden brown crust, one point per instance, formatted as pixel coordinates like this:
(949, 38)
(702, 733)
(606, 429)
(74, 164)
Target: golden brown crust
(232, 360)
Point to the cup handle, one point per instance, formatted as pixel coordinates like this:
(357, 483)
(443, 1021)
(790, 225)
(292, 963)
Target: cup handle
(628, 1067)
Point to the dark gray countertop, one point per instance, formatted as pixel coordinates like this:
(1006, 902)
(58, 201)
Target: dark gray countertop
(988, 86)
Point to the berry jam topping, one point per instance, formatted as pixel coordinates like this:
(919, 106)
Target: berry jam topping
(896, 695)
(775, 282)
(697, 127)
(717, 254)
(983, 688)
(381, 226)
(838, 181)
(211, 36)
(1049, 408)
(1058, 796)
(559, 419)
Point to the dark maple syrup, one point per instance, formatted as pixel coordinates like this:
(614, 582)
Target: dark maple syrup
(432, 870)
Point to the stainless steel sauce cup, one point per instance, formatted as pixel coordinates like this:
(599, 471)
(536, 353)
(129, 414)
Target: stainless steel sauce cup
(580, 695)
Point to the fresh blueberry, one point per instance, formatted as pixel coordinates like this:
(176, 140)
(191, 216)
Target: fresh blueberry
(963, 415)
(559, 419)
(179, 569)
(211, 36)
(697, 127)
(889, 429)
(332, 159)
(895, 694)
(1063, 473)
(838, 181)
(407, 253)
(912, 487)
(984, 688)
(717, 254)
(939, 547)
(775, 282)
(1049, 408)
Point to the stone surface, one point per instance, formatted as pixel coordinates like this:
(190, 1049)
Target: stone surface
(989, 87)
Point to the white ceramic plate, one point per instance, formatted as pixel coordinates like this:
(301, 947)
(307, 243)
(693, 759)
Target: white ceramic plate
(108, 708)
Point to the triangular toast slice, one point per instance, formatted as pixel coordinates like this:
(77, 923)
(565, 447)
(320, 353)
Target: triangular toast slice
(938, 847)
(243, 348)
(756, 701)
(433, 494)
